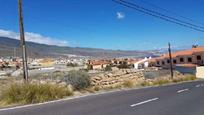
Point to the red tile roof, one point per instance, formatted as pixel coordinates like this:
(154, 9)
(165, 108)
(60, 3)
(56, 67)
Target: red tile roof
(99, 62)
(183, 52)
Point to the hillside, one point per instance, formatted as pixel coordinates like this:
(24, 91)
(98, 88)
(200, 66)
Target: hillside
(7, 46)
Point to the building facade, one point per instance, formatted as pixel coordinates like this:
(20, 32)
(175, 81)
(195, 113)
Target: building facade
(191, 56)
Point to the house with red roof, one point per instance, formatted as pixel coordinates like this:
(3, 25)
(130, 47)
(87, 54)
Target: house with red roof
(98, 64)
(190, 57)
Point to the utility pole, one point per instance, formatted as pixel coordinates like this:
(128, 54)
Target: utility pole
(170, 59)
(23, 44)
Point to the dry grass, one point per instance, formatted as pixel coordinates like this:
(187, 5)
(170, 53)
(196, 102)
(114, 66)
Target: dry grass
(187, 77)
(145, 83)
(128, 83)
(33, 93)
(96, 88)
(161, 81)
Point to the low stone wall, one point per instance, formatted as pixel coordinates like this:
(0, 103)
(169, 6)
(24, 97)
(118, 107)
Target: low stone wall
(116, 77)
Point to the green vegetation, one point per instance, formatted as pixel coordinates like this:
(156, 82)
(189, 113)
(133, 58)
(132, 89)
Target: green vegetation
(72, 64)
(123, 66)
(33, 93)
(78, 79)
(108, 68)
(89, 67)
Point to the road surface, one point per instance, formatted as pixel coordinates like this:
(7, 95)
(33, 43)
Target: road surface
(179, 99)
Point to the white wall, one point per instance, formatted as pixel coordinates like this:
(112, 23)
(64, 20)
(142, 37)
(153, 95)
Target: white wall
(200, 72)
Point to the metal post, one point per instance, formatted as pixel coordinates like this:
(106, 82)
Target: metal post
(23, 44)
(170, 59)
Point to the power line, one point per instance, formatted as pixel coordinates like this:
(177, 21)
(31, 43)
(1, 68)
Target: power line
(159, 15)
(170, 12)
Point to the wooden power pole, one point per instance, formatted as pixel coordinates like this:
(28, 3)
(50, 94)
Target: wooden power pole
(23, 43)
(170, 59)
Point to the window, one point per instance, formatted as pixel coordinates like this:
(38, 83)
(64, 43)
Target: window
(158, 63)
(174, 61)
(189, 59)
(181, 60)
(168, 61)
(163, 62)
(198, 57)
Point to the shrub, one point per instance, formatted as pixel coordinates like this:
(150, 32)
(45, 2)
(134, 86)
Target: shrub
(161, 81)
(108, 68)
(33, 93)
(190, 77)
(72, 64)
(176, 80)
(128, 83)
(145, 83)
(78, 79)
(187, 77)
(89, 67)
(124, 66)
(96, 88)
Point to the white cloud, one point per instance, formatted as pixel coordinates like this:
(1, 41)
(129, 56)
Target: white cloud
(120, 15)
(34, 37)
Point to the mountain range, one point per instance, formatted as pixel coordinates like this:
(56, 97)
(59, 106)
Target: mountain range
(11, 47)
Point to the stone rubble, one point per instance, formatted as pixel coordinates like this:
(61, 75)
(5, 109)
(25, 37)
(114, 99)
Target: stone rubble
(116, 77)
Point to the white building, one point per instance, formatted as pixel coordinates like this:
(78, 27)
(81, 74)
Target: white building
(144, 63)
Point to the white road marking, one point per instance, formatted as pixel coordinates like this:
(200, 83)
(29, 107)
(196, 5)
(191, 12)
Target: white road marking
(182, 90)
(197, 85)
(143, 102)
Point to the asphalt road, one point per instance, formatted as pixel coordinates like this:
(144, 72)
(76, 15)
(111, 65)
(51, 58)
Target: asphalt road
(180, 99)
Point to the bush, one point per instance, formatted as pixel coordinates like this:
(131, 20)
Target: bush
(145, 83)
(108, 68)
(187, 77)
(89, 67)
(96, 88)
(78, 79)
(128, 83)
(33, 93)
(161, 81)
(124, 66)
(72, 64)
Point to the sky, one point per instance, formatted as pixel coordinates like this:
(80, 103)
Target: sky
(103, 23)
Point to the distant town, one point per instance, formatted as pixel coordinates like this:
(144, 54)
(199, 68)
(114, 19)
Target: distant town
(184, 61)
